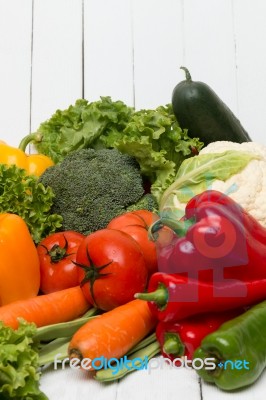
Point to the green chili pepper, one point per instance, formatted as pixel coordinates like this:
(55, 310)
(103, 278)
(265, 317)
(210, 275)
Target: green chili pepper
(238, 350)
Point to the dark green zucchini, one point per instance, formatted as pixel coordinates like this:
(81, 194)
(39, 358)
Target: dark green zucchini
(199, 110)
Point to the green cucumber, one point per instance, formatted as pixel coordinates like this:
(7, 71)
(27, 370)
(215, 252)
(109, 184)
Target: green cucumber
(198, 109)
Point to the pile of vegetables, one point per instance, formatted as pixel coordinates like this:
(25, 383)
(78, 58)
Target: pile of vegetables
(136, 233)
(153, 137)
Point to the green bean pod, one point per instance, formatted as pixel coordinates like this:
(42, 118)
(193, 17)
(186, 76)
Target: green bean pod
(151, 349)
(63, 329)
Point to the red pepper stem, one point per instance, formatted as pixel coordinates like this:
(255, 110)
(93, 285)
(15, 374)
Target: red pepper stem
(173, 345)
(179, 227)
(159, 296)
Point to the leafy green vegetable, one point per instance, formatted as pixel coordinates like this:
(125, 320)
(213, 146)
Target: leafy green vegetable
(153, 137)
(196, 175)
(92, 187)
(157, 142)
(23, 195)
(19, 376)
(78, 127)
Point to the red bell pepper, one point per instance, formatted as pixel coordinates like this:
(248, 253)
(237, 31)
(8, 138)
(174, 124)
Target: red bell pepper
(182, 338)
(172, 297)
(215, 240)
(249, 221)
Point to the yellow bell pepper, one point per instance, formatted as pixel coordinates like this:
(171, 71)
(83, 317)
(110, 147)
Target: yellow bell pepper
(19, 261)
(34, 164)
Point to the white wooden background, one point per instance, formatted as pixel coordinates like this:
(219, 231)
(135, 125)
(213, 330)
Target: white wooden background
(55, 51)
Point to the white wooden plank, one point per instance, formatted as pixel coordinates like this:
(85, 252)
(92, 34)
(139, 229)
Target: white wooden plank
(166, 382)
(158, 50)
(57, 57)
(255, 391)
(209, 46)
(15, 69)
(154, 383)
(249, 17)
(108, 68)
(71, 384)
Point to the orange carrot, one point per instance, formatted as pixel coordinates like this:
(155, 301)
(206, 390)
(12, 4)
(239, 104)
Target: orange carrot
(113, 333)
(52, 308)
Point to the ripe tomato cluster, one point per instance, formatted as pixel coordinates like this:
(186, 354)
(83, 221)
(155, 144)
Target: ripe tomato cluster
(110, 265)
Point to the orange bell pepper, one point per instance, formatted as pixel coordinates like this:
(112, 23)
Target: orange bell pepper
(19, 261)
(34, 164)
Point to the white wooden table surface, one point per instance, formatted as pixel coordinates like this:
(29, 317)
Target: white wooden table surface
(55, 51)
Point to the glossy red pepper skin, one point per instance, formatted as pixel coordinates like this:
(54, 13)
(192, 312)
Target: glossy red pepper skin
(214, 196)
(185, 336)
(181, 297)
(222, 241)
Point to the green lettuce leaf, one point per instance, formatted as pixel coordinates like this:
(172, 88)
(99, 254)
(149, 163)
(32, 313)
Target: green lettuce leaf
(153, 137)
(23, 195)
(196, 175)
(157, 142)
(79, 126)
(19, 376)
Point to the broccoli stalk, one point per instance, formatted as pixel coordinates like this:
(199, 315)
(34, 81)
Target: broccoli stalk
(92, 187)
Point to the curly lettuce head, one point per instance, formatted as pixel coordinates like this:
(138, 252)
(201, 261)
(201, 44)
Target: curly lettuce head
(23, 195)
(19, 376)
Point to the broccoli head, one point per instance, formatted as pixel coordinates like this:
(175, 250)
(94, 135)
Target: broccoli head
(92, 187)
(147, 202)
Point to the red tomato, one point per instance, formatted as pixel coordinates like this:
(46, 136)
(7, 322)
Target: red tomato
(111, 268)
(136, 224)
(56, 253)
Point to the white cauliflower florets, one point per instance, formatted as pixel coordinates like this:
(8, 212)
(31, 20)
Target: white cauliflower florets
(250, 183)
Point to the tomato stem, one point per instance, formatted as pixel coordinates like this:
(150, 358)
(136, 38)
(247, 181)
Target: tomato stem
(57, 253)
(92, 273)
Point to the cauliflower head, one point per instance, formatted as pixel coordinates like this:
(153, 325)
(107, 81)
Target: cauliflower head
(249, 184)
(236, 169)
